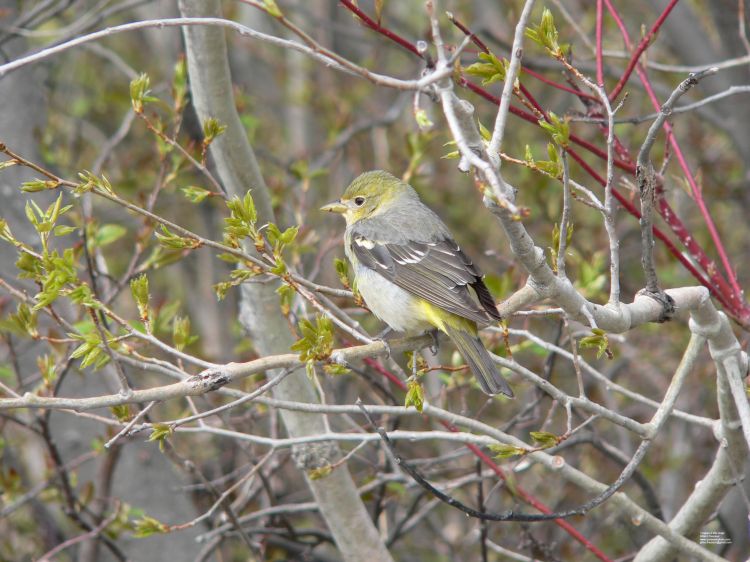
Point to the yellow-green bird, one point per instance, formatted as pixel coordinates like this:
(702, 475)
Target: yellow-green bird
(412, 274)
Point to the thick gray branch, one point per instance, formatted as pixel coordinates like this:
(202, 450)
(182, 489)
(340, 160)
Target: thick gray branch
(211, 86)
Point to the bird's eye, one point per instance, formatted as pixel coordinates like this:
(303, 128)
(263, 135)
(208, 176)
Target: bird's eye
(359, 201)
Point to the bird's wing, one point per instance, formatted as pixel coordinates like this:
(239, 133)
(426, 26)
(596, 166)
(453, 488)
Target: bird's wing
(438, 272)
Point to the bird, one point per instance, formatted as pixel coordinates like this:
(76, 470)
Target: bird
(412, 274)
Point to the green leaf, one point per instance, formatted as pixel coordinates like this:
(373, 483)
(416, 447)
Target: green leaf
(503, 451)
(286, 292)
(109, 233)
(414, 395)
(122, 412)
(335, 370)
(598, 341)
(212, 129)
(289, 235)
(179, 83)
(490, 70)
(320, 472)
(90, 351)
(559, 129)
(242, 217)
(422, 119)
(175, 242)
(46, 365)
(139, 290)
(272, 8)
(159, 433)
(147, 526)
(181, 333)
(139, 89)
(342, 271)
(195, 194)
(34, 186)
(544, 439)
(62, 230)
(316, 342)
(545, 34)
(23, 322)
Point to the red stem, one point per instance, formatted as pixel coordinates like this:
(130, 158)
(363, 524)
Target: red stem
(562, 523)
(716, 285)
(486, 459)
(734, 295)
(563, 87)
(642, 46)
(730, 298)
(375, 26)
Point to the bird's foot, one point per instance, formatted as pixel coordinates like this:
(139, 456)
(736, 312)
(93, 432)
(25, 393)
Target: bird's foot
(381, 338)
(435, 342)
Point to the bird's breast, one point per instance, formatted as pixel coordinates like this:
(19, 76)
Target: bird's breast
(389, 302)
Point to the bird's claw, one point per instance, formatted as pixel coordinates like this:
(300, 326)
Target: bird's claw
(435, 343)
(386, 344)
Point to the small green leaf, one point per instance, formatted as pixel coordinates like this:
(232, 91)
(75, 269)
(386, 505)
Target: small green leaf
(90, 351)
(545, 34)
(212, 129)
(181, 333)
(423, 121)
(46, 365)
(503, 451)
(175, 242)
(559, 129)
(122, 412)
(179, 83)
(195, 194)
(108, 233)
(139, 289)
(147, 526)
(598, 341)
(286, 293)
(320, 472)
(272, 8)
(62, 230)
(316, 342)
(159, 433)
(544, 439)
(342, 271)
(34, 186)
(414, 395)
(139, 89)
(335, 370)
(23, 322)
(490, 70)
(242, 216)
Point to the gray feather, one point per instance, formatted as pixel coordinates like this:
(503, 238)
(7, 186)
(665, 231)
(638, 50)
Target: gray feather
(473, 351)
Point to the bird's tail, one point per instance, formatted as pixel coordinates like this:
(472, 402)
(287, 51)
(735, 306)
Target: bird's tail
(476, 355)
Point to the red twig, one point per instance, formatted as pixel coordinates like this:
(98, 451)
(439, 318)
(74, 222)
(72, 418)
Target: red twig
(486, 459)
(531, 500)
(375, 26)
(733, 294)
(716, 284)
(474, 38)
(557, 85)
(642, 46)
(730, 293)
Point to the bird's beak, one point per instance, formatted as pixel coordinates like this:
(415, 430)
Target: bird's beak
(335, 207)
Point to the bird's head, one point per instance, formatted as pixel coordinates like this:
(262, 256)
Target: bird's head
(368, 195)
